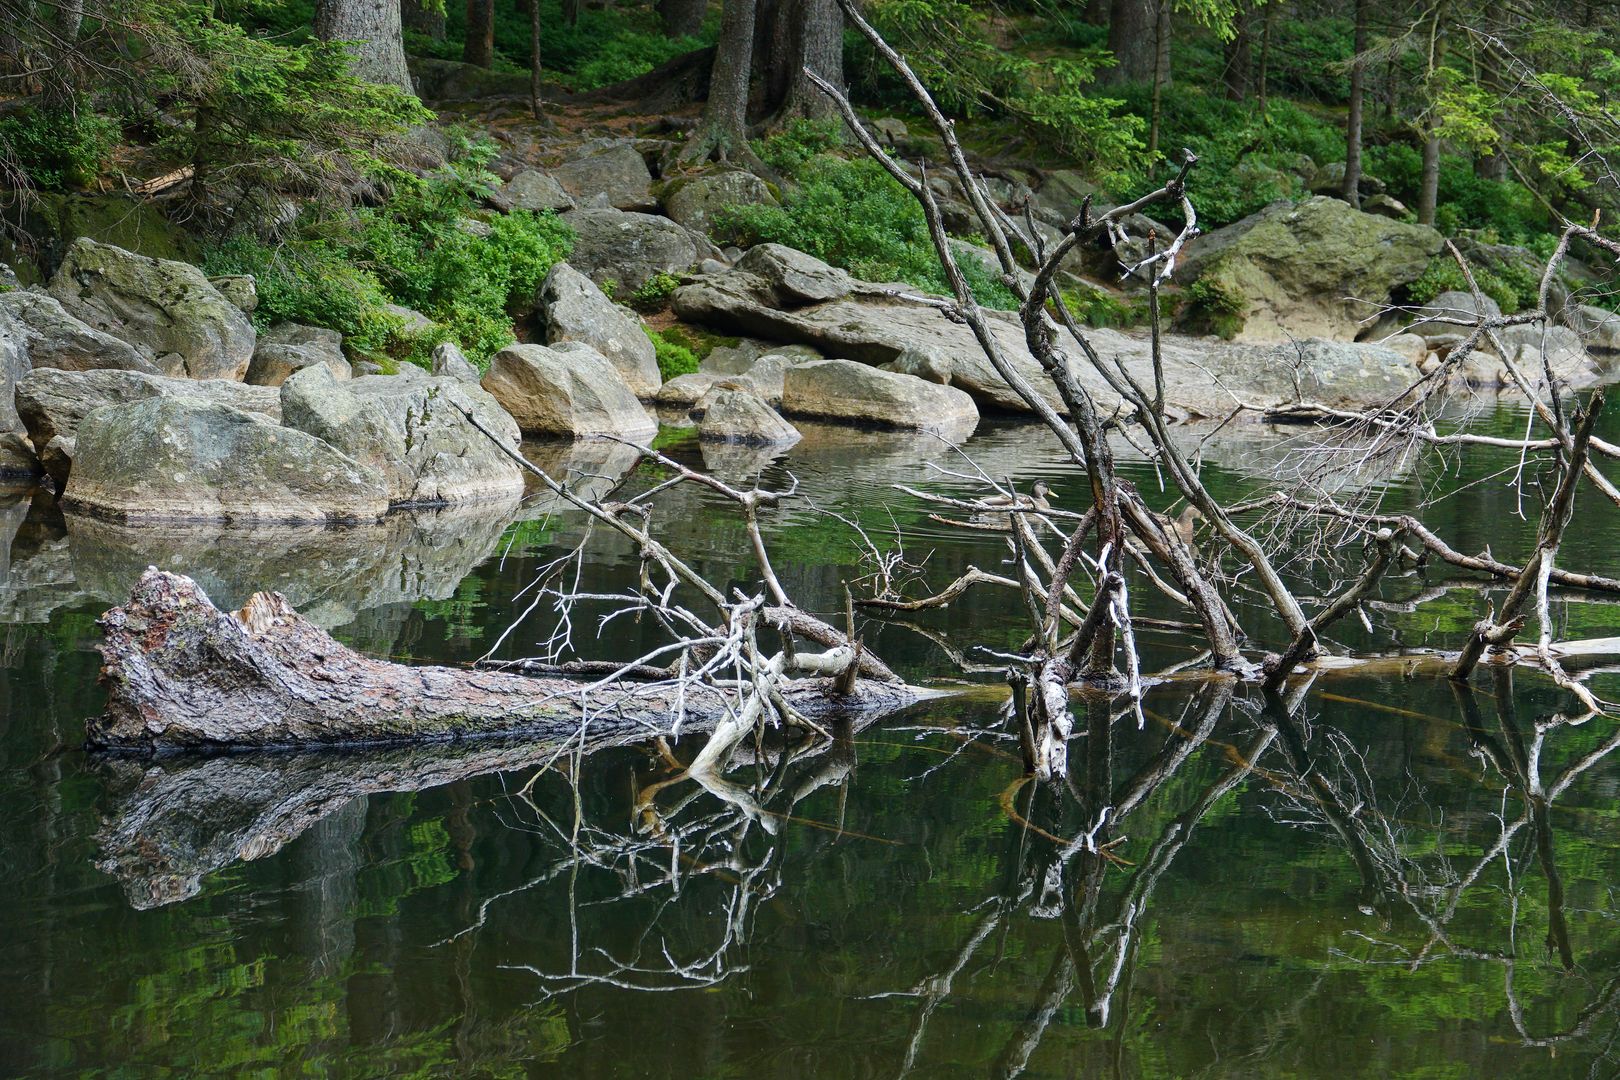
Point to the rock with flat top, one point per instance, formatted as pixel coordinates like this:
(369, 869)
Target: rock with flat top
(734, 413)
(849, 392)
(183, 458)
(570, 391)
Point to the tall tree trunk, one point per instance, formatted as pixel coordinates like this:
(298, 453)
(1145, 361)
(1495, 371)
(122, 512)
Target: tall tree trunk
(724, 128)
(571, 10)
(374, 28)
(1161, 72)
(682, 18)
(1429, 185)
(803, 34)
(1358, 90)
(1239, 55)
(1131, 39)
(1096, 12)
(534, 60)
(1264, 77)
(1492, 164)
(423, 18)
(479, 47)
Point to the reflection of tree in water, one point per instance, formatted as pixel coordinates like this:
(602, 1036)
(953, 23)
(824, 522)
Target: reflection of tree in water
(658, 888)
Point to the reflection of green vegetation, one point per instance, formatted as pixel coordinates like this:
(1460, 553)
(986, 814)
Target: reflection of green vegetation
(462, 613)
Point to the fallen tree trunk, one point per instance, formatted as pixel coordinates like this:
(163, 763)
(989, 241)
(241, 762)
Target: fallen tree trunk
(181, 673)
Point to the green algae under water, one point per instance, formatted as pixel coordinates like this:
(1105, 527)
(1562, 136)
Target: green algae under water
(1390, 879)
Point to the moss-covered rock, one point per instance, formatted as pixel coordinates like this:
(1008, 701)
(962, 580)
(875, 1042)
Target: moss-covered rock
(1316, 269)
(165, 309)
(52, 221)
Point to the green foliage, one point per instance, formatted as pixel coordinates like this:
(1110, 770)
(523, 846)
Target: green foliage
(424, 249)
(606, 45)
(674, 357)
(1215, 306)
(799, 142)
(254, 116)
(654, 293)
(1464, 200)
(701, 342)
(1443, 275)
(952, 46)
(1096, 307)
(57, 149)
(851, 213)
(1246, 159)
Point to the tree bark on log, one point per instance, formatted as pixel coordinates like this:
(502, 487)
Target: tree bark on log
(180, 673)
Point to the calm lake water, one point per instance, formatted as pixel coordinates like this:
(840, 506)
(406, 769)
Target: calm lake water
(1383, 877)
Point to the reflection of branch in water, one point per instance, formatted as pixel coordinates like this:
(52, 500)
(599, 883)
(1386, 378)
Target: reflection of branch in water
(1334, 790)
(1066, 879)
(706, 830)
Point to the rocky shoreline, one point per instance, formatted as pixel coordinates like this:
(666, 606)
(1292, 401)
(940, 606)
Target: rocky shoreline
(140, 390)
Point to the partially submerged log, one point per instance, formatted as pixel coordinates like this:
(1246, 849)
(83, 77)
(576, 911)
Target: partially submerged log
(181, 673)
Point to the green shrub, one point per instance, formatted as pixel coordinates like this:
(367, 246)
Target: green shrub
(654, 293)
(1444, 275)
(851, 213)
(1462, 199)
(1215, 306)
(674, 358)
(58, 149)
(423, 249)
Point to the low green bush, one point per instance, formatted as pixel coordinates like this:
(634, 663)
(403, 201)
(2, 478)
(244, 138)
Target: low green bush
(58, 149)
(425, 249)
(1511, 292)
(654, 293)
(674, 358)
(1213, 305)
(852, 214)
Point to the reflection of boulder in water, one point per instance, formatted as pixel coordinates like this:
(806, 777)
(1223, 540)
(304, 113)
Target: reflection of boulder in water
(36, 568)
(590, 468)
(738, 462)
(328, 574)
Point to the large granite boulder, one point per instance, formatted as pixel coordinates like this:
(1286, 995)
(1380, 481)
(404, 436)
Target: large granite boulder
(51, 402)
(183, 458)
(167, 310)
(574, 309)
(567, 391)
(450, 362)
(1316, 269)
(849, 392)
(608, 175)
(735, 413)
(287, 348)
(1461, 308)
(412, 432)
(17, 460)
(794, 278)
(872, 324)
(39, 327)
(611, 245)
(694, 201)
(532, 189)
(1599, 328)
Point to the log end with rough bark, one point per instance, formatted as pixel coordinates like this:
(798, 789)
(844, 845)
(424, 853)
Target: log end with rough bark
(180, 673)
